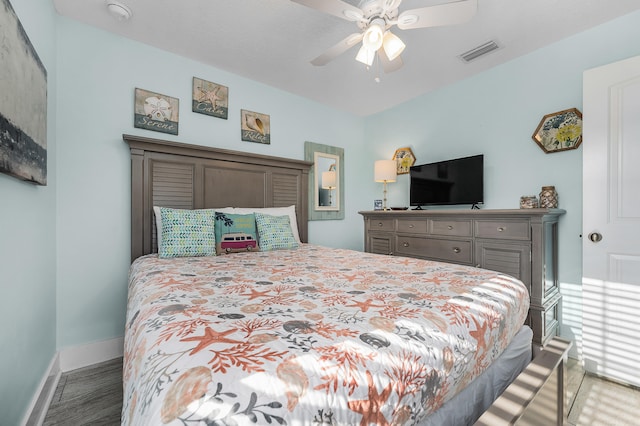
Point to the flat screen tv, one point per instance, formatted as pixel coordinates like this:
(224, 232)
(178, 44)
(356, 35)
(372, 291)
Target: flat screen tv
(457, 181)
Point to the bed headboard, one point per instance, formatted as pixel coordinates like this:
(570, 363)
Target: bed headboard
(178, 175)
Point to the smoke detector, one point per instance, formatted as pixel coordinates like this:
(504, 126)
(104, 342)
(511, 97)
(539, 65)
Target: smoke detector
(118, 10)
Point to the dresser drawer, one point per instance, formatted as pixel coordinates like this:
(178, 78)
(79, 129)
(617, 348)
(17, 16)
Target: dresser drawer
(454, 228)
(503, 229)
(458, 251)
(408, 225)
(376, 224)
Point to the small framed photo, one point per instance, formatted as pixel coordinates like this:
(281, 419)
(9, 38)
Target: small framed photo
(210, 98)
(157, 112)
(377, 204)
(256, 127)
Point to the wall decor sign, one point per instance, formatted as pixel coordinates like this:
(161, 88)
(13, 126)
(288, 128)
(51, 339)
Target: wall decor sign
(23, 102)
(156, 112)
(255, 127)
(210, 98)
(559, 131)
(404, 159)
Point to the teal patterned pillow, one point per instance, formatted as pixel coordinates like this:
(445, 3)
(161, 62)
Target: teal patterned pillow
(187, 233)
(275, 232)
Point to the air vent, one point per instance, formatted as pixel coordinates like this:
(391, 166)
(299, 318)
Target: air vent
(481, 50)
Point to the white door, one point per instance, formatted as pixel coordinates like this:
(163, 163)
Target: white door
(611, 221)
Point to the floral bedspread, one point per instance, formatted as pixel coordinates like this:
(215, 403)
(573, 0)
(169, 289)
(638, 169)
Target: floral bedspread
(308, 336)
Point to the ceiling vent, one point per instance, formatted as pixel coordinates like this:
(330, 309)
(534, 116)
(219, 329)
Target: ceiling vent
(481, 50)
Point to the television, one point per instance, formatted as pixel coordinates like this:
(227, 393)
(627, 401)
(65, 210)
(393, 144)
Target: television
(456, 181)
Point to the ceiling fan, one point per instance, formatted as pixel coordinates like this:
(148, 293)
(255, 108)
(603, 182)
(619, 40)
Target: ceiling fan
(375, 19)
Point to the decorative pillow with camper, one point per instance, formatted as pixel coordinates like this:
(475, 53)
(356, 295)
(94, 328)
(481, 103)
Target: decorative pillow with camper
(236, 233)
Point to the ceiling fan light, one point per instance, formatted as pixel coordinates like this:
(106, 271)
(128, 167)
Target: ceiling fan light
(373, 36)
(393, 46)
(365, 56)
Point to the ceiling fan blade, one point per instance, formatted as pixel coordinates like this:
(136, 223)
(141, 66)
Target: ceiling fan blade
(334, 7)
(387, 65)
(338, 49)
(439, 15)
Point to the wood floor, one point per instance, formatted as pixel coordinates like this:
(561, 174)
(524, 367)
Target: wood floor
(93, 396)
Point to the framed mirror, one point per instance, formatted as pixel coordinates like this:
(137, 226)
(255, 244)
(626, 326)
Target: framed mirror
(326, 181)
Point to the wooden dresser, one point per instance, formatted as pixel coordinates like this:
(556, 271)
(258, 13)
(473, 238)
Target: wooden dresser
(522, 243)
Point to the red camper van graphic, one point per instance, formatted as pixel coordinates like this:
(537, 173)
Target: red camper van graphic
(237, 240)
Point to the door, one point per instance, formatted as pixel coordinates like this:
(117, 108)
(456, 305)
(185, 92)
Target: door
(611, 218)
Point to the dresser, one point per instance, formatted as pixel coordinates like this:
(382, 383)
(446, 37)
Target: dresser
(521, 242)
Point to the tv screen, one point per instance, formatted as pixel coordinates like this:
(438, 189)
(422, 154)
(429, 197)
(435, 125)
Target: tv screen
(457, 181)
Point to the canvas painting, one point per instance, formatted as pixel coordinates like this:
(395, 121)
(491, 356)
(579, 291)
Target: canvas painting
(23, 102)
(157, 112)
(210, 98)
(256, 127)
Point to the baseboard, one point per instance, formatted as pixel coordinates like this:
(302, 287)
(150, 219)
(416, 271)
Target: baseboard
(92, 353)
(44, 394)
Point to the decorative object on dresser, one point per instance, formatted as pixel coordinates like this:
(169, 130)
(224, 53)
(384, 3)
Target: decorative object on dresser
(528, 202)
(23, 109)
(548, 197)
(157, 112)
(519, 242)
(405, 159)
(559, 131)
(384, 171)
(210, 98)
(255, 127)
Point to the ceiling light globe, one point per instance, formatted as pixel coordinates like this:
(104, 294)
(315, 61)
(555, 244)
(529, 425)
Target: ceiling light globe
(373, 36)
(393, 46)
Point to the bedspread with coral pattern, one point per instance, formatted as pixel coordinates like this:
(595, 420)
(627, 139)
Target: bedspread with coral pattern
(308, 336)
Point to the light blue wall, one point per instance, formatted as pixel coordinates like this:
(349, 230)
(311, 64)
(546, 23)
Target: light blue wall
(495, 114)
(27, 248)
(97, 76)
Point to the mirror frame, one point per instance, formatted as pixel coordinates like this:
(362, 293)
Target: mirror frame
(311, 149)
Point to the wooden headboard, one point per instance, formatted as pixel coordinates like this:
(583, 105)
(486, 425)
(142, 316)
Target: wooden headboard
(178, 175)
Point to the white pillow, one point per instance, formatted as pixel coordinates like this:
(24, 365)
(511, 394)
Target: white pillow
(273, 211)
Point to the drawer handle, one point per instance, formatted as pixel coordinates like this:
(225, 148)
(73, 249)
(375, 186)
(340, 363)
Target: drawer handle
(449, 227)
(456, 249)
(411, 225)
(380, 224)
(500, 229)
(405, 244)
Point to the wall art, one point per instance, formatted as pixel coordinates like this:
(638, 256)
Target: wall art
(559, 131)
(255, 127)
(156, 112)
(405, 159)
(23, 102)
(210, 98)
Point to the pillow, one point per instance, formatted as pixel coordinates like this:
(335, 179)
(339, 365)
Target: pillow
(235, 233)
(186, 233)
(275, 211)
(156, 212)
(275, 232)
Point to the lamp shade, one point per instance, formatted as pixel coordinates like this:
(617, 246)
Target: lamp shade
(328, 180)
(393, 46)
(365, 56)
(373, 35)
(385, 171)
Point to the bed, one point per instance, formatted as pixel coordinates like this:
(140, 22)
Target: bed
(306, 334)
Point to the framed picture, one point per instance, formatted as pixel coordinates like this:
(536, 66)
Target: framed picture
(210, 98)
(255, 127)
(404, 159)
(377, 204)
(157, 112)
(23, 102)
(559, 131)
